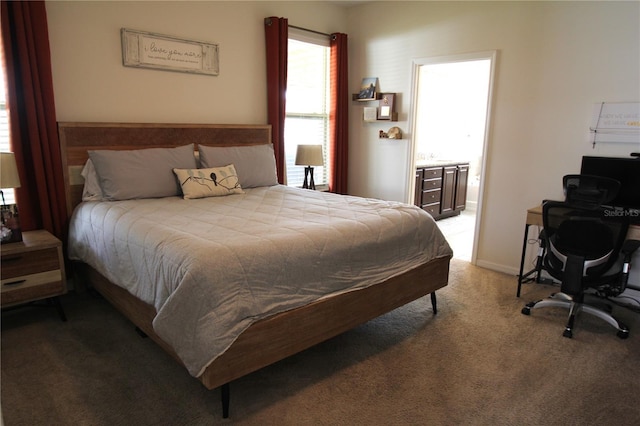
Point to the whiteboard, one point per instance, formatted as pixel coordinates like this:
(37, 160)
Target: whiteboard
(615, 122)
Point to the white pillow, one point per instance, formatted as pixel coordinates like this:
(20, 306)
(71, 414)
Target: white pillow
(91, 190)
(255, 164)
(212, 182)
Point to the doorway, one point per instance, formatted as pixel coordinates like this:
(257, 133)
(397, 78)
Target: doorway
(450, 123)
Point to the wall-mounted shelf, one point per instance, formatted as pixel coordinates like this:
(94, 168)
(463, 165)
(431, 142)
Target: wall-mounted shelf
(385, 111)
(356, 97)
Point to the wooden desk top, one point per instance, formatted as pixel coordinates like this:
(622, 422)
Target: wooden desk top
(534, 216)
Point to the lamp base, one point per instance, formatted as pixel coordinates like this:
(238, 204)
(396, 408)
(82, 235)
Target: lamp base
(308, 174)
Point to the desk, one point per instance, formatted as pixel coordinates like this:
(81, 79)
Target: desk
(534, 217)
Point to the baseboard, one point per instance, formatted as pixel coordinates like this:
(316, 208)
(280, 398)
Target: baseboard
(471, 205)
(497, 267)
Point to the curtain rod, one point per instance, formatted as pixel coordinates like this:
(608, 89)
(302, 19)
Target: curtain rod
(311, 31)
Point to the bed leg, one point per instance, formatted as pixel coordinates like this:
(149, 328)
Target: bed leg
(59, 308)
(225, 395)
(433, 303)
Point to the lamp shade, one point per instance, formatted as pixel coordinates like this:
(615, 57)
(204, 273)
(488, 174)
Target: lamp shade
(8, 171)
(309, 155)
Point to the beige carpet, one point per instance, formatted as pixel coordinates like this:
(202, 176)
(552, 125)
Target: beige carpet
(478, 362)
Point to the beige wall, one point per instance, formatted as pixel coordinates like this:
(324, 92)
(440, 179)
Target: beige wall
(91, 84)
(555, 59)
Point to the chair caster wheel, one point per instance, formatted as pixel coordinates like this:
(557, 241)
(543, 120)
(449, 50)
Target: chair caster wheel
(623, 334)
(527, 308)
(568, 333)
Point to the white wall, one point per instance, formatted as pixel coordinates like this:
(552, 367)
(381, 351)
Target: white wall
(555, 60)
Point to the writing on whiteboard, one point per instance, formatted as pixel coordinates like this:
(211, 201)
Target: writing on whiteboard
(616, 122)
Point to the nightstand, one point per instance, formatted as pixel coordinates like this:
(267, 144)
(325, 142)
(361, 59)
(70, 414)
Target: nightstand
(32, 270)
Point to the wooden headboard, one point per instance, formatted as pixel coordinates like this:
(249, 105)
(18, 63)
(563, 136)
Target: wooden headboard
(76, 139)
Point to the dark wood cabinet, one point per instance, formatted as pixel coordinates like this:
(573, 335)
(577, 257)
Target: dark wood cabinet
(442, 190)
(461, 187)
(447, 205)
(417, 192)
(429, 190)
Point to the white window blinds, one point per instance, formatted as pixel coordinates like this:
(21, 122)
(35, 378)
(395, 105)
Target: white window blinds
(307, 112)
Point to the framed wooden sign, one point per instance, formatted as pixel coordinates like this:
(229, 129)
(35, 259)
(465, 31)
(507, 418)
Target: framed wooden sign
(142, 49)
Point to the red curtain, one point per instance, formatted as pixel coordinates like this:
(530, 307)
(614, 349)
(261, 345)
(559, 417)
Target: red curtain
(277, 39)
(33, 127)
(339, 115)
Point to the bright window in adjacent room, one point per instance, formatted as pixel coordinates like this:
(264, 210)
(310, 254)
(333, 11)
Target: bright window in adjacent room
(307, 114)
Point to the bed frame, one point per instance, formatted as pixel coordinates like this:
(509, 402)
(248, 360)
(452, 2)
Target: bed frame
(273, 338)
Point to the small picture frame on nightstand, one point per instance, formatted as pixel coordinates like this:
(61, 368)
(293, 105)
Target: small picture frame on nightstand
(10, 224)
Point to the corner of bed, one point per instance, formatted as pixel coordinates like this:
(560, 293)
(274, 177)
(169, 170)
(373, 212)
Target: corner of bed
(275, 336)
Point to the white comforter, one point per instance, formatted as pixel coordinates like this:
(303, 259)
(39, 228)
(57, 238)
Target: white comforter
(213, 266)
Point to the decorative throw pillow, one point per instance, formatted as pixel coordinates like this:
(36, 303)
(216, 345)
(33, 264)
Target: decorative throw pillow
(212, 182)
(256, 164)
(142, 173)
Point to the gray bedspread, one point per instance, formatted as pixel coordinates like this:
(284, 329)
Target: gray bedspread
(213, 266)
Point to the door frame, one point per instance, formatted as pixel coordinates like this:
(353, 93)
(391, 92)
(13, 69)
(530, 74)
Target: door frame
(492, 56)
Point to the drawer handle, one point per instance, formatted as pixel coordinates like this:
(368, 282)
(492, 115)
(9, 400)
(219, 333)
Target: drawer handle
(14, 282)
(11, 258)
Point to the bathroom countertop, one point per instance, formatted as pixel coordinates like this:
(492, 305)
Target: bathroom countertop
(440, 163)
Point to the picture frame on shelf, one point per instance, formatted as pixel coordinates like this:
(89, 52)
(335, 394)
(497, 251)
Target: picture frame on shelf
(386, 106)
(368, 89)
(369, 113)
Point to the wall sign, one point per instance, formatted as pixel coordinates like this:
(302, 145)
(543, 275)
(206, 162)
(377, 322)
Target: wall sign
(148, 50)
(616, 122)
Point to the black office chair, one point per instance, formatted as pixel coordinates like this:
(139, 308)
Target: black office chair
(583, 246)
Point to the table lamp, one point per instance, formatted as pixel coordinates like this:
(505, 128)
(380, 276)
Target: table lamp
(9, 178)
(308, 156)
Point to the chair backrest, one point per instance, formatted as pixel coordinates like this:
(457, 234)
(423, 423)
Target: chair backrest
(591, 236)
(589, 191)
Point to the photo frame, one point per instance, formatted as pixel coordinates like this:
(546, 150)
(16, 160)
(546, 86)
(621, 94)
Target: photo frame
(386, 106)
(10, 231)
(369, 113)
(368, 89)
(141, 49)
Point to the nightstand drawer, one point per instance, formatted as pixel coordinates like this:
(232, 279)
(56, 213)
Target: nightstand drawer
(32, 286)
(32, 269)
(16, 264)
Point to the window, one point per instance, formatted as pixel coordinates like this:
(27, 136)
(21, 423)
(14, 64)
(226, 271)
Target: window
(5, 144)
(307, 114)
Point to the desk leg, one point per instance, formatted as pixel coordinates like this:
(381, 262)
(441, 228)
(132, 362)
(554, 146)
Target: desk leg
(537, 269)
(524, 251)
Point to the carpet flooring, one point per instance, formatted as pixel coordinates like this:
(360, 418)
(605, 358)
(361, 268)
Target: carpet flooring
(479, 361)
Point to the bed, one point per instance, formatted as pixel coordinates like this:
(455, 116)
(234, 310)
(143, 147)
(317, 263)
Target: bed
(230, 283)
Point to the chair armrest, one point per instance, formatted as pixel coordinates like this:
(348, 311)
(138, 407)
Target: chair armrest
(629, 246)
